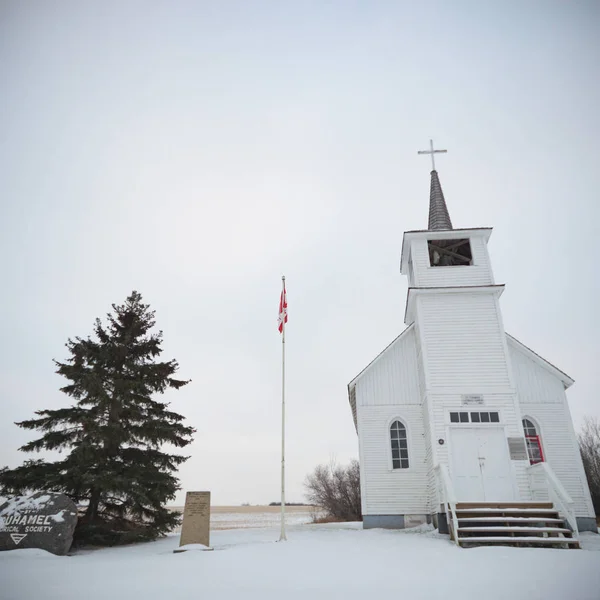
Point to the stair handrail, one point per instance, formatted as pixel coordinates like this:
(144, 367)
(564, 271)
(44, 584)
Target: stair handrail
(449, 498)
(559, 495)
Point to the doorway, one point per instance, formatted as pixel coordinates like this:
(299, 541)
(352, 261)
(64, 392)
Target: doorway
(480, 464)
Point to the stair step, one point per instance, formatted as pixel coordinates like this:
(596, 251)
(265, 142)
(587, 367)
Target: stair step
(495, 519)
(513, 540)
(496, 505)
(517, 529)
(488, 510)
(513, 524)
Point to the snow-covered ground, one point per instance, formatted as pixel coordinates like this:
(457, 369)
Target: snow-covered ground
(317, 562)
(229, 517)
(243, 517)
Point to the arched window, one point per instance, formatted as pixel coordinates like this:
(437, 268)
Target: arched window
(534, 443)
(399, 443)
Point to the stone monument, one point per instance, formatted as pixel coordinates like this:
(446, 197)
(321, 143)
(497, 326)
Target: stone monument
(43, 520)
(196, 521)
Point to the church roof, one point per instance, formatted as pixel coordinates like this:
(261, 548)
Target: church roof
(439, 217)
(451, 235)
(546, 364)
(380, 355)
(352, 384)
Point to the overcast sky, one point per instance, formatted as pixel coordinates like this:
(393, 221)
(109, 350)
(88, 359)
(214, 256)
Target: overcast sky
(197, 151)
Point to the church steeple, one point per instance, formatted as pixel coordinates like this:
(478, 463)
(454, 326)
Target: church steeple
(439, 218)
(441, 256)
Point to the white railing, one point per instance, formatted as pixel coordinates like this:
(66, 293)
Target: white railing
(448, 498)
(556, 493)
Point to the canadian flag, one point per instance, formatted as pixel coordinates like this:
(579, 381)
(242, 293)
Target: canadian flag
(283, 316)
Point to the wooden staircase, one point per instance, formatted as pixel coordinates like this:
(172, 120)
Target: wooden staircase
(531, 524)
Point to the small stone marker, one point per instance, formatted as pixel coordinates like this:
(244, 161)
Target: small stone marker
(196, 521)
(43, 520)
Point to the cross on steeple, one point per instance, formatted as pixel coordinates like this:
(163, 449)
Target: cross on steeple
(432, 152)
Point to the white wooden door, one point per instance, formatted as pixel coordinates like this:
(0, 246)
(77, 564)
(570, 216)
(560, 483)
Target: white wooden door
(466, 471)
(495, 465)
(481, 465)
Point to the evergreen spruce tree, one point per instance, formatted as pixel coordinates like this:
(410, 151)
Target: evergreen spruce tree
(115, 468)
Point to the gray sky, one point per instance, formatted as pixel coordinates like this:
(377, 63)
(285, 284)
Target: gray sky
(195, 151)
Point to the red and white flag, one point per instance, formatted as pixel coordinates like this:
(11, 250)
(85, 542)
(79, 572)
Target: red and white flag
(283, 316)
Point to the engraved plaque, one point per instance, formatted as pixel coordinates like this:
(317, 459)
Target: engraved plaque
(196, 519)
(517, 448)
(472, 399)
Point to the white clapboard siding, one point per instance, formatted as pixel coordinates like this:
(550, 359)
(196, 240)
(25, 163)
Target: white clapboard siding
(431, 491)
(561, 450)
(393, 378)
(363, 471)
(542, 398)
(442, 404)
(534, 383)
(463, 341)
(388, 491)
(424, 275)
(420, 364)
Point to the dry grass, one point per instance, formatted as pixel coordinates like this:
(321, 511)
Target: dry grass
(317, 519)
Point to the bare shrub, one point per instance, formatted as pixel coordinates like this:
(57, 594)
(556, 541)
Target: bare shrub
(589, 445)
(320, 520)
(336, 490)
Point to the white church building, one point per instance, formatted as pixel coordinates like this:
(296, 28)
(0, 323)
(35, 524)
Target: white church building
(458, 422)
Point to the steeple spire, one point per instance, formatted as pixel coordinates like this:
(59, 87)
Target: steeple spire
(439, 218)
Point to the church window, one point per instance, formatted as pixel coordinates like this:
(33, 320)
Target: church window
(485, 417)
(459, 417)
(399, 443)
(534, 442)
(479, 416)
(448, 253)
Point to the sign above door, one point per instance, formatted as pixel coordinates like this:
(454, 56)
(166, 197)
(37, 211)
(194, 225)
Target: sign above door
(472, 400)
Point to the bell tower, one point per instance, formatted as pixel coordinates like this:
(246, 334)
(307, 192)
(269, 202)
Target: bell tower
(453, 304)
(441, 256)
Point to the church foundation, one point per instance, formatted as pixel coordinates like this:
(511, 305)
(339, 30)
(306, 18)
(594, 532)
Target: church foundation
(440, 522)
(394, 521)
(587, 524)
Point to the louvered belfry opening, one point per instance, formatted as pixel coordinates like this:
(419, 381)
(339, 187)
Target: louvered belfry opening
(448, 253)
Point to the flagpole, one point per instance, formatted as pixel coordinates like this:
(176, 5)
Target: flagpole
(282, 537)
